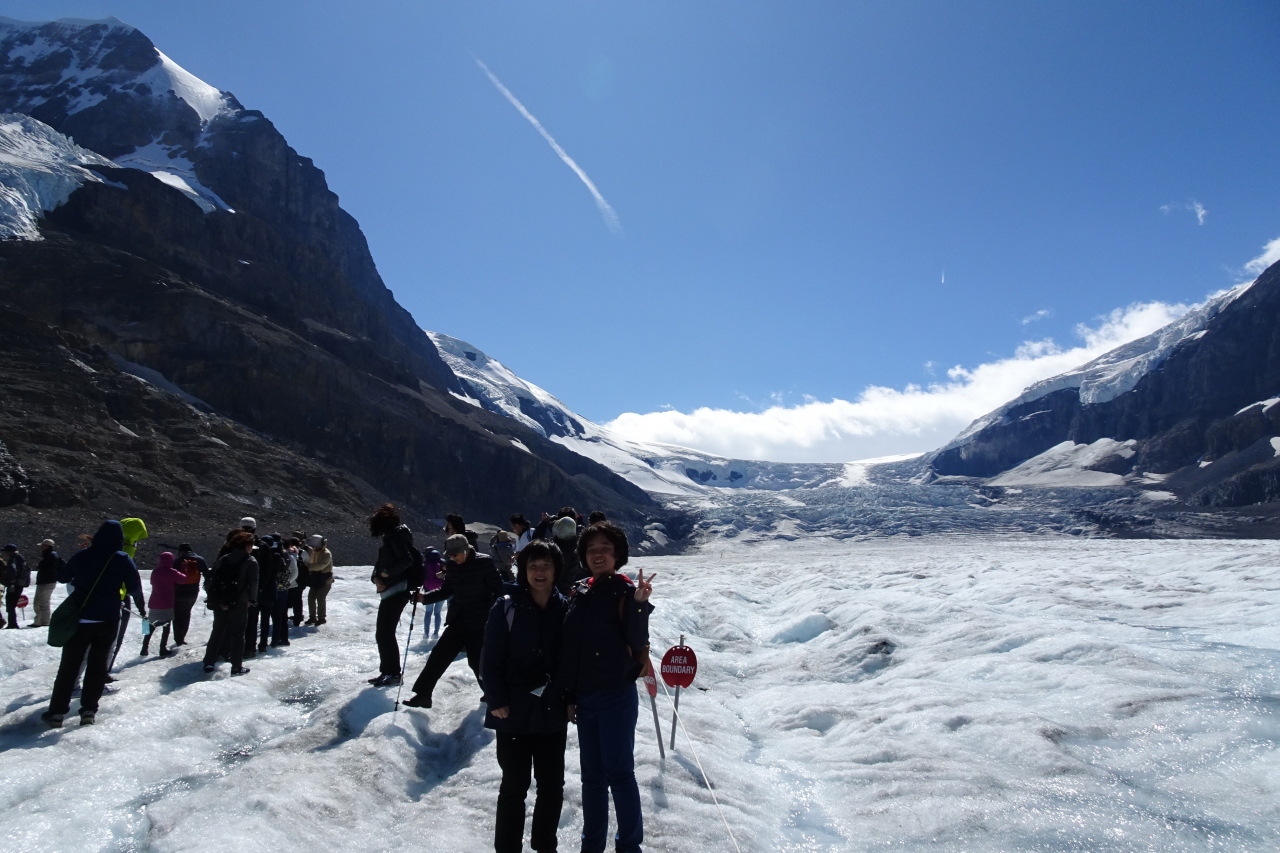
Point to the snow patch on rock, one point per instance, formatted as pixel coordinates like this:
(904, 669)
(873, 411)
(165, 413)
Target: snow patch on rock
(1067, 464)
(39, 169)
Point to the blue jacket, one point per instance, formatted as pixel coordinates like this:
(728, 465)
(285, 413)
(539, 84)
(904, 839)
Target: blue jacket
(101, 595)
(603, 626)
(523, 658)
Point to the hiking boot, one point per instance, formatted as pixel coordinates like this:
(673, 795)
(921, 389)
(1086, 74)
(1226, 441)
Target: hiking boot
(386, 680)
(321, 621)
(209, 667)
(244, 670)
(416, 701)
(86, 718)
(53, 721)
(309, 622)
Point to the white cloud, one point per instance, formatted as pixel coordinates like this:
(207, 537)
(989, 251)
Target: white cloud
(884, 421)
(1270, 254)
(606, 209)
(1039, 315)
(1195, 207)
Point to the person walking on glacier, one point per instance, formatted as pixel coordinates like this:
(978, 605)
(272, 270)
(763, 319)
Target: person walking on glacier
(605, 648)
(393, 578)
(320, 569)
(95, 577)
(471, 583)
(187, 593)
(17, 577)
(165, 578)
(231, 590)
(46, 581)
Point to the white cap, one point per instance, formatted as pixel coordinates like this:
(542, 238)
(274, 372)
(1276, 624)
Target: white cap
(248, 523)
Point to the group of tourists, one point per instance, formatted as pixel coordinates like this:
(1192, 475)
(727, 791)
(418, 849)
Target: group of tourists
(561, 639)
(553, 632)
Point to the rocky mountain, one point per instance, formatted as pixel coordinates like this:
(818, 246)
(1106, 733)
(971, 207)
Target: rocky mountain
(1190, 410)
(163, 226)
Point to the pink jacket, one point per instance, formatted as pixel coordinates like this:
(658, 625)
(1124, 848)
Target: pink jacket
(164, 578)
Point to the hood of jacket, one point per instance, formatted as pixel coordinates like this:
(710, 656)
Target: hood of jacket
(134, 529)
(109, 538)
(166, 560)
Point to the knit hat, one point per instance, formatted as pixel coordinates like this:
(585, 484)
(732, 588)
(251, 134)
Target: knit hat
(565, 528)
(456, 544)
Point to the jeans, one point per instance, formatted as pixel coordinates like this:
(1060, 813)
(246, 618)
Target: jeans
(11, 603)
(453, 640)
(96, 639)
(517, 753)
(433, 612)
(389, 610)
(606, 751)
(184, 598)
(228, 630)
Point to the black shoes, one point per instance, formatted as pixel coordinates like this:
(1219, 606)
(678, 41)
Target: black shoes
(309, 622)
(209, 667)
(86, 718)
(53, 721)
(416, 701)
(386, 680)
(243, 670)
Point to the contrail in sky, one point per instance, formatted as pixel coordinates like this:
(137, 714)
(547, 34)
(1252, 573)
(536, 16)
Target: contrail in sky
(606, 209)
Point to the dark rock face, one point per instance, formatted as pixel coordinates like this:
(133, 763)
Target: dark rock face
(1185, 412)
(273, 315)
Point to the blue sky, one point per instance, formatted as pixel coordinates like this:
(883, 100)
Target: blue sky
(791, 180)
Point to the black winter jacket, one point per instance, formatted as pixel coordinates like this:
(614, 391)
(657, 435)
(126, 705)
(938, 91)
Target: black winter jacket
(19, 576)
(395, 557)
(471, 589)
(604, 624)
(523, 658)
(98, 572)
(249, 570)
(47, 568)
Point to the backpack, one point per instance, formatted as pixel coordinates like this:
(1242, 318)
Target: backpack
(503, 551)
(225, 583)
(417, 574)
(192, 567)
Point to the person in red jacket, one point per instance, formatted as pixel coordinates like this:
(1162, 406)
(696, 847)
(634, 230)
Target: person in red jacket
(165, 577)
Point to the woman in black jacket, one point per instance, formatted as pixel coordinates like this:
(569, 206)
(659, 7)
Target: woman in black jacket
(521, 650)
(606, 635)
(391, 576)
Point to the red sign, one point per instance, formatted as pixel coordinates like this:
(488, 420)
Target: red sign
(651, 685)
(22, 602)
(679, 666)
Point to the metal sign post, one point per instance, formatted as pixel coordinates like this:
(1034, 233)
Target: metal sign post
(679, 666)
(651, 686)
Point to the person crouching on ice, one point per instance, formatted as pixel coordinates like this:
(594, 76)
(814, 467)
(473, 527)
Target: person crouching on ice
(471, 583)
(606, 635)
(521, 650)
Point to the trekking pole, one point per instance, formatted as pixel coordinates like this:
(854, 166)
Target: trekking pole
(412, 615)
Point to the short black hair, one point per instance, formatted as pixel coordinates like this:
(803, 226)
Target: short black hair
(455, 521)
(538, 549)
(385, 519)
(610, 531)
(518, 518)
(567, 511)
(596, 516)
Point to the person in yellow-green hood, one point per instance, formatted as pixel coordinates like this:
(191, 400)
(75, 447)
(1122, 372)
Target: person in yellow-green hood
(135, 530)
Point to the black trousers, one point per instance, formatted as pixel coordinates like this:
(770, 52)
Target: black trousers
(296, 595)
(389, 610)
(453, 639)
(517, 753)
(251, 623)
(185, 597)
(11, 604)
(280, 619)
(96, 638)
(229, 630)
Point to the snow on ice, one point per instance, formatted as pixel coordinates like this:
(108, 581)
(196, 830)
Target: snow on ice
(39, 169)
(944, 693)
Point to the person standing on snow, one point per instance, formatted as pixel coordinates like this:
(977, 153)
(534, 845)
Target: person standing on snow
(135, 530)
(17, 578)
(165, 578)
(522, 529)
(303, 579)
(471, 582)
(46, 580)
(565, 533)
(606, 634)
(185, 594)
(96, 575)
(526, 709)
(232, 587)
(320, 569)
(392, 578)
(285, 582)
(433, 579)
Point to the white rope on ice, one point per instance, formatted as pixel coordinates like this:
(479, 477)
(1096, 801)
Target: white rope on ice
(680, 723)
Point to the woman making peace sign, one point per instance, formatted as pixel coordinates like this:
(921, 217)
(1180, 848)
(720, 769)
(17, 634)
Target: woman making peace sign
(606, 636)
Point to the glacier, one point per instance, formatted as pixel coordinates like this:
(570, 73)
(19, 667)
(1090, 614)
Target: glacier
(39, 170)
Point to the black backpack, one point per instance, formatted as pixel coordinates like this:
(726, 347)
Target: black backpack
(225, 583)
(417, 574)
